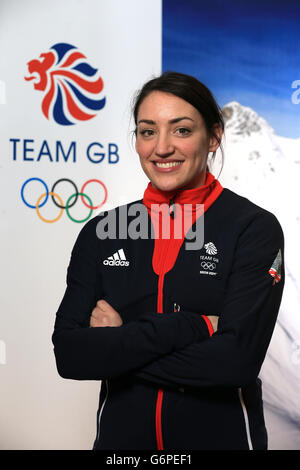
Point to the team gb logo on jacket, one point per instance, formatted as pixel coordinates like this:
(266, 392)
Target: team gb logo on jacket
(209, 262)
(72, 87)
(211, 248)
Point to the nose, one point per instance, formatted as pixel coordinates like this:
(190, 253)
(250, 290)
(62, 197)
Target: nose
(164, 146)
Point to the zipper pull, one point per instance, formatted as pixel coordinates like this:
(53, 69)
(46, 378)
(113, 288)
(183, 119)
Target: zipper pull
(172, 208)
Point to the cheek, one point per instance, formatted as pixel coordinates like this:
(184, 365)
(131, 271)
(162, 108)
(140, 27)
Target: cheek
(195, 150)
(190, 150)
(143, 149)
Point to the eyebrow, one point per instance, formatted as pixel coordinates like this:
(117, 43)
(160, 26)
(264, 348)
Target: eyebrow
(172, 121)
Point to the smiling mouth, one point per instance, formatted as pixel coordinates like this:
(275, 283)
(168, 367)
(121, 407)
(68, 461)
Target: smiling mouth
(167, 164)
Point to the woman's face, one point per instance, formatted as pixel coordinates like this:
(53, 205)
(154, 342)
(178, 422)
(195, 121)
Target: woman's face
(172, 142)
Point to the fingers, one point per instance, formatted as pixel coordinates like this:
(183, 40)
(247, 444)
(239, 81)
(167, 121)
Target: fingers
(105, 306)
(102, 304)
(105, 315)
(93, 322)
(98, 318)
(214, 321)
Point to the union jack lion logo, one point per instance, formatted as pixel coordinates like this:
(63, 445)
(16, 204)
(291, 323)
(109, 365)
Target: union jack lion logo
(71, 86)
(211, 248)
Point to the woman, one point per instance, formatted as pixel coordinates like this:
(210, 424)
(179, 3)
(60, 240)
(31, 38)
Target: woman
(176, 333)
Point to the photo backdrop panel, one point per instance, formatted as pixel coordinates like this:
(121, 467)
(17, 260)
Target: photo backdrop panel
(247, 54)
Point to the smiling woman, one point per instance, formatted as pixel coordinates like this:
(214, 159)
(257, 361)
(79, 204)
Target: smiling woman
(177, 335)
(178, 123)
(173, 150)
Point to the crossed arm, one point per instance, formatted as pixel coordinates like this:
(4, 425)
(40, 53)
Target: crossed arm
(105, 315)
(175, 349)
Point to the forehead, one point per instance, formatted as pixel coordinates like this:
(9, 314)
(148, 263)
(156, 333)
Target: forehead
(160, 105)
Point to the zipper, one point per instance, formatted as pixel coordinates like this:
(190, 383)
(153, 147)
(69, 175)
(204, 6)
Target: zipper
(176, 308)
(158, 427)
(210, 200)
(172, 207)
(158, 424)
(160, 293)
(246, 418)
(159, 439)
(160, 393)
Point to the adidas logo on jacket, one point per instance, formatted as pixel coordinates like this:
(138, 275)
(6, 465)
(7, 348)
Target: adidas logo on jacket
(117, 259)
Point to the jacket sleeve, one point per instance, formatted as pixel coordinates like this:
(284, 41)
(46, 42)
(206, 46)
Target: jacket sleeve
(234, 354)
(86, 353)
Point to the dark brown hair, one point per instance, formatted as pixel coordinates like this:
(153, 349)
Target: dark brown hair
(191, 90)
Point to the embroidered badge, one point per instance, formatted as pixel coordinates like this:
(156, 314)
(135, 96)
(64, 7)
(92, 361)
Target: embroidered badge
(209, 262)
(275, 269)
(211, 248)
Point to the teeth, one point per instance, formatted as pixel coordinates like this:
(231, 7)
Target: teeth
(167, 165)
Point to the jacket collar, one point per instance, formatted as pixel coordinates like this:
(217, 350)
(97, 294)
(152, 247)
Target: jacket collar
(205, 194)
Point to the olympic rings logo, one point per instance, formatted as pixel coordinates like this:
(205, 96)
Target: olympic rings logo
(43, 198)
(208, 265)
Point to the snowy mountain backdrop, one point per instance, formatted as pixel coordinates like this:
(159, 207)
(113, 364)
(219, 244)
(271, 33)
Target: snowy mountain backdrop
(265, 168)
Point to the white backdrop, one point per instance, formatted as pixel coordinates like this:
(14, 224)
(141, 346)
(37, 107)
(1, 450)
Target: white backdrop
(38, 409)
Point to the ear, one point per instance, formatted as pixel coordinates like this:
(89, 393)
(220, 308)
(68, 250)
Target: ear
(215, 138)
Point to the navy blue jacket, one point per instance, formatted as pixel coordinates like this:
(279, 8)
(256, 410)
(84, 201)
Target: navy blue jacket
(212, 395)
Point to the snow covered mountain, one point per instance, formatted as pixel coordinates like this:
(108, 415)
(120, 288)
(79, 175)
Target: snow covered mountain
(243, 121)
(265, 168)
(256, 158)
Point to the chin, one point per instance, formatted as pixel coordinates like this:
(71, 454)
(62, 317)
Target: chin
(166, 186)
(169, 184)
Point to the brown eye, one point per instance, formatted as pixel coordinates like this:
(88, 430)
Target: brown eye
(183, 131)
(146, 132)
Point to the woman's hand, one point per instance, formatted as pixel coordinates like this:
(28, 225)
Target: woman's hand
(214, 321)
(105, 315)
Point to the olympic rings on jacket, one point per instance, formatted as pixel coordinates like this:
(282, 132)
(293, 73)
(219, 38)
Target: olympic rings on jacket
(208, 265)
(55, 197)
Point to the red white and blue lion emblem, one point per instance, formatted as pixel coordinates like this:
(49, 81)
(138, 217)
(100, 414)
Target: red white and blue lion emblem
(71, 87)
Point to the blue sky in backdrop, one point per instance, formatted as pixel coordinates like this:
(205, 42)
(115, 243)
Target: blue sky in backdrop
(247, 51)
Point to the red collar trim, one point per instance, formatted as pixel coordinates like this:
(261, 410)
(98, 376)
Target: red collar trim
(205, 194)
